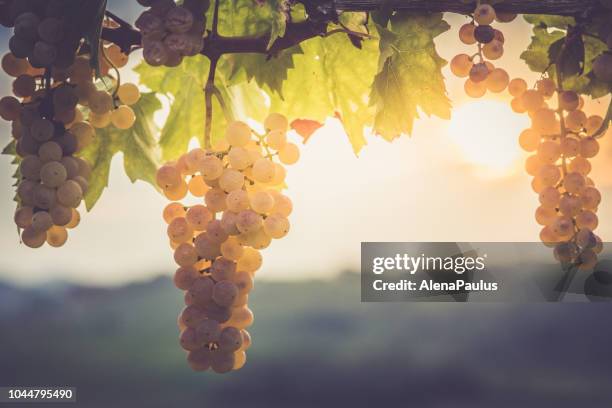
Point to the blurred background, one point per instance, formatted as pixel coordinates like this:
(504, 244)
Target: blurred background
(100, 313)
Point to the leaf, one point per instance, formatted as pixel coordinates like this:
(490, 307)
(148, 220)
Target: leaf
(268, 72)
(305, 127)
(546, 21)
(137, 144)
(409, 76)
(537, 56)
(327, 79)
(355, 21)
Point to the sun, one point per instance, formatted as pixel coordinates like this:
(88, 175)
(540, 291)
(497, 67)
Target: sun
(486, 133)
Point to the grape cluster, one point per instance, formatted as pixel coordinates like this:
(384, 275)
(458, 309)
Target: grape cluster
(480, 72)
(216, 242)
(171, 32)
(57, 105)
(52, 180)
(562, 142)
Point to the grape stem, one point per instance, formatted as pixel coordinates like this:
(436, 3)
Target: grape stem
(209, 88)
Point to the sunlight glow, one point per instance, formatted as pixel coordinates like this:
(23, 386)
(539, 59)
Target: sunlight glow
(487, 134)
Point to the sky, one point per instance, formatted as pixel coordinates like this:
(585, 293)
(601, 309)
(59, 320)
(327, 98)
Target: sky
(457, 180)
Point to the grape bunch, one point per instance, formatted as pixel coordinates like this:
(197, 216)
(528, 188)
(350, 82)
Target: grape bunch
(562, 140)
(52, 180)
(171, 32)
(481, 74)
(238, 210)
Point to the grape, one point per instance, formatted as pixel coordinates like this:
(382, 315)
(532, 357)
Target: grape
(276, 121)
(248, 221)
(68, 143)
(228, 222)
(53, 174)
(529, 140)
(26, 192)
(484, 34)
(257, 239)
(242, 318)
(586, 239)
(246, 339)
(484, 14)
(276, 226)
(238, 133)
(222, 362)
(9, 108)
(517, 105)
(230, 339)
(185, 276)
(69, 193)
(30, 167)
(237, 200)
(562, 227)
(223, 269)
(570, 205)
(479, 72)
(565, 252)
(239, 158)
(587, 260)
(172, 211)
(57, 236)
(99, 121)
(185, 255)
(569, 100)
(205, 247)
(189, 340)
(197, 187)
(75, 220)
(532, 100)
(590, 198)
(587, 219)
(21, 47)
(289, 154)
(168, 176)
(225, 293)
(262, 202)
(123, 117)
(231, 249)
(198, 217)
(44, 197)
(215, 199)
(179, 230)
(208, 330)
(517, 87)
(23, 217)
(570, 147)
(589, 147)
(574, 182)
(33, 238)
(200, 291)
(580, 165)
(493, 50)
(155, 53)
(276, 139)
(546, 87)
(244, 282)
(116, 56)
(178, 20)
(100, 102)
(575, 120)
(251, 260)
(497, 80)
(211, 168)
(128, 94)
(475, 89)
(549, 197)
(42, 130)
(231, 180)
(549, 152)
(192, 316)
(239, 360)
(200, 359)
(216, 232)
(545, 216)
(505, 17)
(282, 204)
(466, 34)
(14, 66)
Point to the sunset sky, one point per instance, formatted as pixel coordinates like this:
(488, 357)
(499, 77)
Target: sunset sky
(458, 180)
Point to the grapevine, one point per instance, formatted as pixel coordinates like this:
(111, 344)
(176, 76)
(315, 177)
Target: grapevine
(221, 67)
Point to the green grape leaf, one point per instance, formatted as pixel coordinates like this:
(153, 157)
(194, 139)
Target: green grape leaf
(268, 72)
(138, 145)
(355, 21)
(409, 76)
(326, 81)
(546, 21)
(11, 148)
(537, 55)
